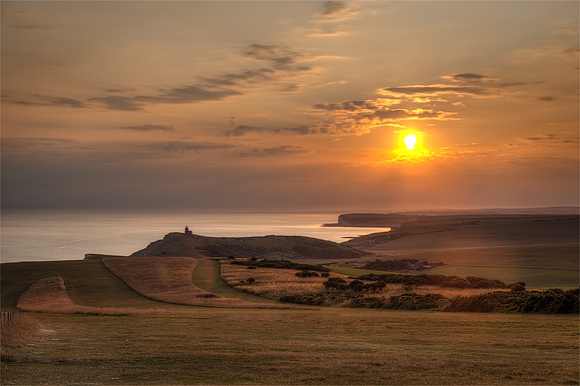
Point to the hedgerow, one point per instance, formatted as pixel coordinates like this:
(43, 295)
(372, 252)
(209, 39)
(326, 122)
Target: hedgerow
(551, 301)
(437, 280)
(409, 301)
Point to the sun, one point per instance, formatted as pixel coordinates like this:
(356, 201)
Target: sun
(410, 141)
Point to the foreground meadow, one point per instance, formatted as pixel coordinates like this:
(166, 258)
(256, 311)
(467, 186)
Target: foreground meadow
(316, 346)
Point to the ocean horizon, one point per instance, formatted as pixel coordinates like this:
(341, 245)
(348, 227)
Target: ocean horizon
(64, 235)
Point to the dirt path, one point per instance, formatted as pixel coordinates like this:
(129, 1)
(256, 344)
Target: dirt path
(207, 276)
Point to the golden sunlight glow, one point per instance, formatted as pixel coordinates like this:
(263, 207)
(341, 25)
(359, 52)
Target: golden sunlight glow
(410, 141)
(411, 149)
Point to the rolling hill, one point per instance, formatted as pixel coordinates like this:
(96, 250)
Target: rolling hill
(265, 247)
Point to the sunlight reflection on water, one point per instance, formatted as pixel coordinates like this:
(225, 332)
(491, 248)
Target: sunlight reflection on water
(37, 236)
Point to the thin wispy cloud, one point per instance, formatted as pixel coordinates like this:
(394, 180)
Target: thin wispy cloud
(39, 100)
(243, 130)
(284, 64)
(327, 23)
(33, 28)
(148, 127)
(275, 151)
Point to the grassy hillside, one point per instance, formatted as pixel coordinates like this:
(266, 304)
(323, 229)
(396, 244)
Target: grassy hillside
(266, 247)
(471, 231)
(88, 283)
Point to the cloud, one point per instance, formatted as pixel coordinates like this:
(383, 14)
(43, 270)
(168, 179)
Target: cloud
(53, 101)
(274, 151)
(325, 23)
(572, 52)
(187, 147)
(361, 116)
(546, 98)
(243, 130)
(549, 140)
(439, 89)
(467, 77)
(69, 102)
(33, 28)
(148, 127)
(280, 57)
(188, 94)
(178, 95)
(283, 63)
(118, 102)
(333, 8)
(300, 130)
(335, 11)
(35, 143)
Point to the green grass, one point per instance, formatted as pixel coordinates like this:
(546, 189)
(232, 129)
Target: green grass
(533, 277)
(88, 283)
(329, 346)
(207, 276)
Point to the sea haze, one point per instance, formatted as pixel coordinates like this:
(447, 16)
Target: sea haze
(43, 236)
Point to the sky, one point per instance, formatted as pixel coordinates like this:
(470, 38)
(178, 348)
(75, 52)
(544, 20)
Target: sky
(289, 106)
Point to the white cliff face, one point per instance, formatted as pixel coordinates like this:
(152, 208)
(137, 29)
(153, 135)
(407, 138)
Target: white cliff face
(343, 222)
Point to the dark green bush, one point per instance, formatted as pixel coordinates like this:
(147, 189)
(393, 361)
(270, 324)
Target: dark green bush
(410, 281)
(305, 274)
(308, 299)
(409, 301)
(414, 301)
(552, 301)
(368, 302)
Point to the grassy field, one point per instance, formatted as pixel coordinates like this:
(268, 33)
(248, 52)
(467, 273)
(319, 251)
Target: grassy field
(159, 343)
(88, 282)
(324, 346)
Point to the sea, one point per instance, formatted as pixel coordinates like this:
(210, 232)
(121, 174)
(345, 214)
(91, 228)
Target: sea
(52, 235)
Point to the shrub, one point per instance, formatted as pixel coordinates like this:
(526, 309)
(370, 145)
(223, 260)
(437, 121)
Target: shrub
(374, 287)
(309, 299)
(518, 287)
(412, 301)
(498, 301)
(305, 274)
(551, 301)
(456, 282)
(356, 283)
(250, 280)
(368, 302)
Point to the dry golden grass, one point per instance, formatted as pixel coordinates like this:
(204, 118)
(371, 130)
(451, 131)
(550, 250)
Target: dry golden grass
(271, 283)
(16, 332)
(328, 346)
(49, 295)
(169, 279)
(274, 283)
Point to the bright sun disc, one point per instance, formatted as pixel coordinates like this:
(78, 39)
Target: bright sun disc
(410, 141)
